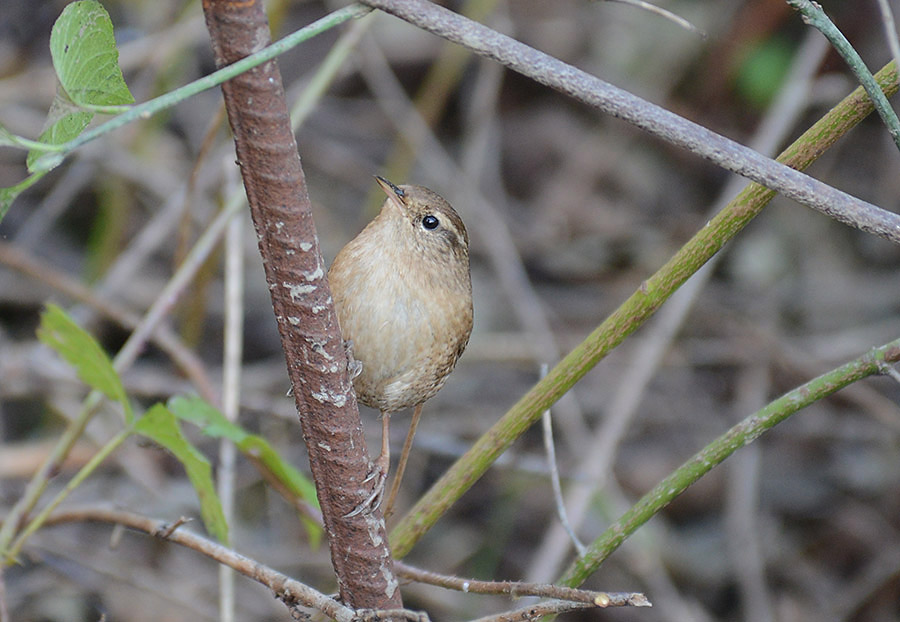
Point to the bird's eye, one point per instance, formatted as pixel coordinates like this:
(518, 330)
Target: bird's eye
(430, 222)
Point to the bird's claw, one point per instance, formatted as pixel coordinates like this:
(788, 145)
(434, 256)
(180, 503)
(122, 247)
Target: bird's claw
(354, 367)
(378, 473)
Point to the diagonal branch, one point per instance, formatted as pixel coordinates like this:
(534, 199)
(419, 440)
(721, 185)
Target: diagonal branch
(317, 361)
(654, 119)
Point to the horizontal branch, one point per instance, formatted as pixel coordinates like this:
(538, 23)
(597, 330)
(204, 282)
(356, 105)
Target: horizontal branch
(286, 589)
(518, 589)
(654, 119)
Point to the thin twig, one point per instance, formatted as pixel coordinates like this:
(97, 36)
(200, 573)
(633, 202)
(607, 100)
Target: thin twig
(669, 15)
(814, 16)
(520, 589)
(654, 119)
(555, 607)
(231, 389)
(285, 588)
(742, 508)
(550, 450)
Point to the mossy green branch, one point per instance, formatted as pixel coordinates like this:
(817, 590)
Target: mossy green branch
(627, 318)
(716, 452)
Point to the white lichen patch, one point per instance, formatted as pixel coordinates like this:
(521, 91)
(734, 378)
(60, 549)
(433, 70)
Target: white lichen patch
(319, 348)
(298, 291)
(325, 396)
(315, 275)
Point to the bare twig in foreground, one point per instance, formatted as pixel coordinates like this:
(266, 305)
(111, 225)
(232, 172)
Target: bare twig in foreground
(288, 590)
(518, 589)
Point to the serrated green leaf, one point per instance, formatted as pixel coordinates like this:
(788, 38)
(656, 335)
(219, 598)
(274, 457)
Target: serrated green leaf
(213, 423)
(161, 426)
(80, 350)
(85, 56)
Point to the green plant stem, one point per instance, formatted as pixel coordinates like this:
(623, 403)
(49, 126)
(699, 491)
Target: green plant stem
(713, 454)
(814, 16)
(626, 319)
(38, 484)
(76, 481)
(149, 108)
(14, 191)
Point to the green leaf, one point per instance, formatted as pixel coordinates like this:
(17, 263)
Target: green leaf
(85, 57)
(65, 121)
(160, 425)
(81, 351)
(86, 60)
(213, 423)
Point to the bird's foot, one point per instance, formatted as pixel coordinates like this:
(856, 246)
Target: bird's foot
(378, 474)
(354, 367)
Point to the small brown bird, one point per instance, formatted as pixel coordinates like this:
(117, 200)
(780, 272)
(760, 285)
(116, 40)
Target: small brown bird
(403, 295)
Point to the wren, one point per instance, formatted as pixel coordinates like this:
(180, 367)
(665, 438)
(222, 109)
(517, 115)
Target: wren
(403, 295)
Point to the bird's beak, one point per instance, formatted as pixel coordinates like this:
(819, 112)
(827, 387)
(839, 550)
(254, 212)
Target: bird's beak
(395, 194)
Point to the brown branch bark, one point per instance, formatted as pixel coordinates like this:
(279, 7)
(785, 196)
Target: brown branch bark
(317, 362)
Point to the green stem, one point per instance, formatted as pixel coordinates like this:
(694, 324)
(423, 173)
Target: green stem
(814, 16)
(38, 484)
(83, 473)
(717, 451)
(626, 319)
(149, 108)
(7, 195)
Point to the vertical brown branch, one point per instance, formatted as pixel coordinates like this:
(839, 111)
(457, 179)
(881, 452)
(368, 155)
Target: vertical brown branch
(317, 362)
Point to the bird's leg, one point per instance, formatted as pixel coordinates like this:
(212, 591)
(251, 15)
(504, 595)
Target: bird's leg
(383, 462)
(404, 457)
(379, 471)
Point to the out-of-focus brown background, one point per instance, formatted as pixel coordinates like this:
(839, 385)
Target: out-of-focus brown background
(802, 525)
